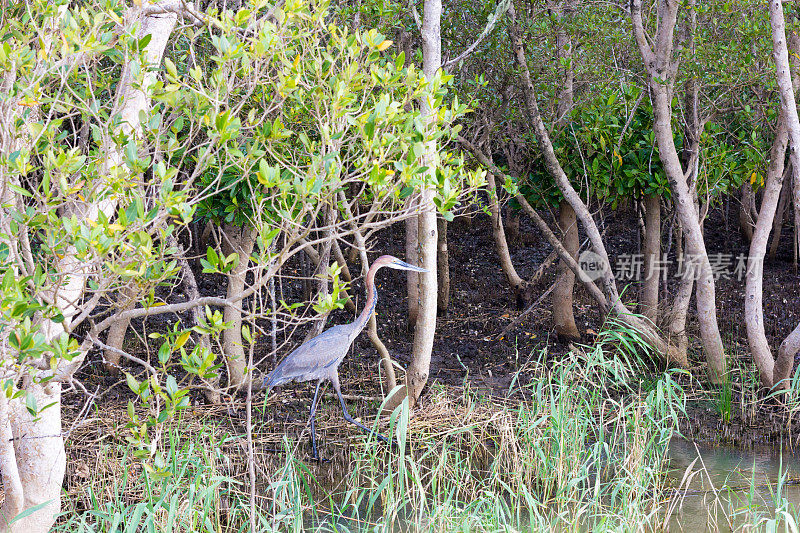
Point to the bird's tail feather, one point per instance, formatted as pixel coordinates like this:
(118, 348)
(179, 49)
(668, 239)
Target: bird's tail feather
(274, 379)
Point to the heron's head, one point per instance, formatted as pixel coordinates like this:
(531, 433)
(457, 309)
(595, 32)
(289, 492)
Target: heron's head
(393, 262)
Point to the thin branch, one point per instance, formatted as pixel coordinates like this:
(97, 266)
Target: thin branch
(640, 35)
(181, 8)
(126, 355)
(630, 119)
(527, 311)
(596, 293)
(494, 18)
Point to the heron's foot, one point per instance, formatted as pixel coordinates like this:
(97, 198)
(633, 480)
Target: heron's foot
(314, 452)
(319, 460)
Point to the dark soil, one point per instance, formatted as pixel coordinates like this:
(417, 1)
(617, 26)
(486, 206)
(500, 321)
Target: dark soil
(481, 306)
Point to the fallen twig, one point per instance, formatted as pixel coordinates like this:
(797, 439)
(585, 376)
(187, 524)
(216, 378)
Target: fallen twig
(527, 311)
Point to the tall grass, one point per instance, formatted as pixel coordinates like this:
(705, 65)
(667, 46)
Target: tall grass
(577, 443)
(183, 494)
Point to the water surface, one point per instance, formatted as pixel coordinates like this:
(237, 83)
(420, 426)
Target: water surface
(727, 489)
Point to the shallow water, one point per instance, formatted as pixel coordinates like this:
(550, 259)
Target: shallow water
(730, 489)
(714, 488)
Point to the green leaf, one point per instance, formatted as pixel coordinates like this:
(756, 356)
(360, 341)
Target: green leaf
(369, 127)
(131, 153)
(30, 404)
(29, 511)
(213, 258)
(163, 353)
(182, 339)
(144, 41)
(172, 385)
(132, 383)
(19, 190)
(170, 66)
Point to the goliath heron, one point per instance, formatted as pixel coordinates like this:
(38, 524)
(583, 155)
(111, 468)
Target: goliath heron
(319, 358)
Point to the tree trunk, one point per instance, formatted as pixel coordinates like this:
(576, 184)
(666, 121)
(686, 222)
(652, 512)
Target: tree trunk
(675, 318)
(405, 43)
(32, 459)
(753, 302)
(238, 240)
(779, 218)
(648, 299)
(419, 369)
(661, 71)
(563, 317)
(116, 333)
(746, 208)
(793, 44)
(571, 196)
(499, 236)
(412, 257)
(693, 237)
(788, 350)
(678, 313)
(796, 210)
(443, 262)
(511, 225)
(563, 314)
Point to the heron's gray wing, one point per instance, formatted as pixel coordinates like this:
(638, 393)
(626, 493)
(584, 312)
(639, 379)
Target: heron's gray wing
(314, 359)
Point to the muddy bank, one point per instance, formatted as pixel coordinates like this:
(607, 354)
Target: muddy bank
(467, 347)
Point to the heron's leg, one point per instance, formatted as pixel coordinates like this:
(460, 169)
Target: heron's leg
(311, 418)
(335, 383)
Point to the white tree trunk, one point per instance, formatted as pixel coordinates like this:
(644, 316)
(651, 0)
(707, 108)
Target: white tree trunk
(661, 71)
(412, 256)
(38, 454)
(570, 195)
(753, 299)
(240, 240)
(33, 468)
(499, 235)
(782, 368)
(425, 329)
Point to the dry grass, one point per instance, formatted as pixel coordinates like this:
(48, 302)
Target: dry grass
(98, 465)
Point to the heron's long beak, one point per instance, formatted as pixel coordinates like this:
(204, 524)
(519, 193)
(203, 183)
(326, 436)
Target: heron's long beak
(402, 265)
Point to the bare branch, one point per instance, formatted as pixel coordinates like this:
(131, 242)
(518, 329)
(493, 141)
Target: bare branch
(640, 35)
(494, 18)
(596, 293)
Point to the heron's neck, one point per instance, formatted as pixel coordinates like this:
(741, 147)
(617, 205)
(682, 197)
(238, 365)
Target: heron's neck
(372, 299)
